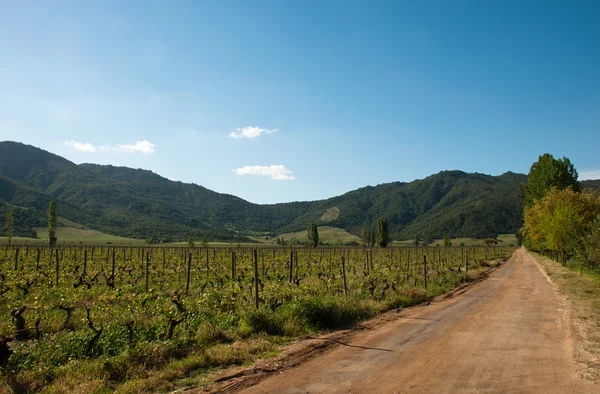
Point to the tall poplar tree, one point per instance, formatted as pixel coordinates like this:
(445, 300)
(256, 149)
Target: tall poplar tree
(52, 223)
(9, 225)
(313, 235)
(383, 232)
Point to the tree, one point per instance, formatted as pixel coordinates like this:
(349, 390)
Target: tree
(372, 238)
(589, 251)
(313, 235)
(364, 235)
(383, 233)
(9, 225)
(549, 172)
(490, 241)
(191, 242)
(52, 223)
(447, 241)
(559, 221)
(417, 240)
(203, 242)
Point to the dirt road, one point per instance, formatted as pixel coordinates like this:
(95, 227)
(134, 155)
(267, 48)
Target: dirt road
(508, 334)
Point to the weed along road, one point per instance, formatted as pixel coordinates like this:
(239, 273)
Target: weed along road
(508, 334)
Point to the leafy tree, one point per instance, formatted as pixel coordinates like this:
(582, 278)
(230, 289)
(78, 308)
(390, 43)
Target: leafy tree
(560, 220)
(372, 238)
(490, 241)
(383, 233)
(364, 235)
(589, 251)
(204, 242)
(549, 172)
(9, 225)
(447, 241)
(313, 235)
(52, 223)
(191, 242)
(417, 240)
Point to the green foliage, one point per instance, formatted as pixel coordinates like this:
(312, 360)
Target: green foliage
(203, 242)
(372, 238)
(447, 241)
(547, 173)
(136, 203)
(313, 235)
(383, 233)
(191, 242)
(52, 223)
(560, 221)
(9, 225)
(146, 332)
(365, 235)
(589, 250)
(417, 241)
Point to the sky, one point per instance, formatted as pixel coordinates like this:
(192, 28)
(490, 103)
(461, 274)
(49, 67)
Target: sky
(277, 101)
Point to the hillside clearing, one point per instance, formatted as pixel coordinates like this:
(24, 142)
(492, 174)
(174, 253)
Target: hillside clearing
(327, 235)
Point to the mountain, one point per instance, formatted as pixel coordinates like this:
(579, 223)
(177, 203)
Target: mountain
(139, 204)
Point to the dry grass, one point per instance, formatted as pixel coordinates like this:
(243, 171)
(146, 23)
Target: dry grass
(583, 295)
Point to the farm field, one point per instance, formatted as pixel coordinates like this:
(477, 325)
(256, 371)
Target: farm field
(134, 319)
(327, 235)
(507, 240)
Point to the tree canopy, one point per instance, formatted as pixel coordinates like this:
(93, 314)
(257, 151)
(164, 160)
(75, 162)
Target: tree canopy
(547, 173)
(559, 221)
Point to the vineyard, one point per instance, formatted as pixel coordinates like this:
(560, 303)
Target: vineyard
(120, 314)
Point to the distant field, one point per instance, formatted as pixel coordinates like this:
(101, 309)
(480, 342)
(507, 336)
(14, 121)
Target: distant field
(327, 234)
(507, 240)
(74, 235)
(70, 234)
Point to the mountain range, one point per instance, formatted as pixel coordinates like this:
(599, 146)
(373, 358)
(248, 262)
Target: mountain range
(138, 203)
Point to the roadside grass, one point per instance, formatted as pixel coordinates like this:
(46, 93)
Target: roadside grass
(235, 339)
(583, 295)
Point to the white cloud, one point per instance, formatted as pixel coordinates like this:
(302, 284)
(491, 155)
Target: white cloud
(276, 172)
(81, 146)
(249, 132)
(589, 174)
(139, 146)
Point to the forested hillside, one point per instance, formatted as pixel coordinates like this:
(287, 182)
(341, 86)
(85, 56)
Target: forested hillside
(138, 203)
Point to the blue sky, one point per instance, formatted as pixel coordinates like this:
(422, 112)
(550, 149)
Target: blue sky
(298, 100)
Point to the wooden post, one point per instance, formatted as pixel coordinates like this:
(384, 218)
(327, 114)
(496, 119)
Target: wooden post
(425, 271)
(56, 268)
(233, 258)
(291, 278)
(408, 265)
(256, 278)
(112, 270)
(207, 267)
(147, 270)
(16, 258)
(344, 275)
(189, 273)
(37, 259)
(84, 263)
(467, 264)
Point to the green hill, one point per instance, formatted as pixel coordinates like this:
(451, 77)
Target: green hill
(136, 203)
